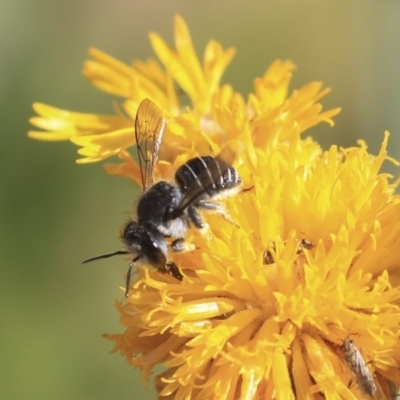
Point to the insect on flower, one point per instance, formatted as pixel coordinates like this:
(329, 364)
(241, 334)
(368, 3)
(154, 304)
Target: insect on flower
(166, 211)
(269, 259)
(394, 391)
(358, 366)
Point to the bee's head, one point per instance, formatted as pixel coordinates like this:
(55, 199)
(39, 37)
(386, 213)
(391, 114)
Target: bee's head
(146, 241)
(132, 235)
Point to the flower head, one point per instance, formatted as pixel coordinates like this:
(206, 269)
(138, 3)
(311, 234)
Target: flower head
(300, 296)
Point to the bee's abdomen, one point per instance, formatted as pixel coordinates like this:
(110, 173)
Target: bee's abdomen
(203, 170)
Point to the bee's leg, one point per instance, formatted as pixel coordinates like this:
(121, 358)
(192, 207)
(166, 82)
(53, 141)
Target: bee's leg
(172, 269)
(198, 222)
(181, 246)
(128, 279)
(218, 208)
(195, 218)
(178, 245)
(128, 275)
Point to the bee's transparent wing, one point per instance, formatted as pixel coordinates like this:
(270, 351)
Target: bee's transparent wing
(149, 131)
(216, 168)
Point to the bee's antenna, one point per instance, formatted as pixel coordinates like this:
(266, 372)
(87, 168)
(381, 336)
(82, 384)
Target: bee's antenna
(116, 253)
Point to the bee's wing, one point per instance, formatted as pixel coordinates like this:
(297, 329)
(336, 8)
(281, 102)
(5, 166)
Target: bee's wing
(149, 131)
(212, 174)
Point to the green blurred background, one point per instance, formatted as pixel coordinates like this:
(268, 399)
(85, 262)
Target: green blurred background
(55, 214)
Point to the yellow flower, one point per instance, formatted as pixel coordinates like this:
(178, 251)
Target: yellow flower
(300, 299)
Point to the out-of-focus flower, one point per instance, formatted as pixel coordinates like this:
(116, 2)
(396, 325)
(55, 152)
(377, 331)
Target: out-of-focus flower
(301, 298)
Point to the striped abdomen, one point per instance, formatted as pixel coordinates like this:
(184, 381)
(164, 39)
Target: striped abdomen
(214, 177)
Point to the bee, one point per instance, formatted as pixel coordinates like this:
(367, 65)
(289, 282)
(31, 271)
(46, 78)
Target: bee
(269, 259)
(358, 366)
(167, 211)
